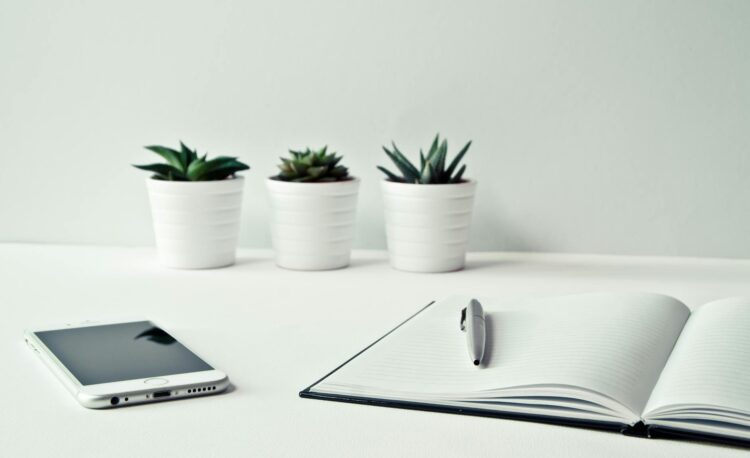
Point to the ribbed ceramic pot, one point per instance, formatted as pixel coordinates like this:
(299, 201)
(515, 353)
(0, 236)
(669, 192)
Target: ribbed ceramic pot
(427, 225)
(196, 223)
(312, 224)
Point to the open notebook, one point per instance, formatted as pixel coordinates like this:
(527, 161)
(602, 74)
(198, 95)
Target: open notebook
(636, 362)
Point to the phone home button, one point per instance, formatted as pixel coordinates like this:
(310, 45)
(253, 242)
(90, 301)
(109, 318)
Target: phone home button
(155, 381)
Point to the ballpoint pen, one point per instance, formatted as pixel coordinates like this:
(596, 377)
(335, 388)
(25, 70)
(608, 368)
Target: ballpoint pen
(472, 323)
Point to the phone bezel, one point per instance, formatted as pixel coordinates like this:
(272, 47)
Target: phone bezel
(136, 391)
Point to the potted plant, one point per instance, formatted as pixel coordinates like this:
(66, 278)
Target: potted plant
(195, 205)
(427, 210)
(313, 201)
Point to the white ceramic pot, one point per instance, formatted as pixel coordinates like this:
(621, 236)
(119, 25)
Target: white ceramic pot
(427, 225)
(196, 223)
(312, 224)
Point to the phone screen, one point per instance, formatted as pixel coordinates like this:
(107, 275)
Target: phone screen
(122, 351)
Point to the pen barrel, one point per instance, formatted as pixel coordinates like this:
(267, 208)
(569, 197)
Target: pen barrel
(476, 338)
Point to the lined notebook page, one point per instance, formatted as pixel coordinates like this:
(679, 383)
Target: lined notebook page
(614, 344)
(710, 364)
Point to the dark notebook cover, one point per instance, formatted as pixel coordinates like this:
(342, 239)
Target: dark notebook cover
(637, 430)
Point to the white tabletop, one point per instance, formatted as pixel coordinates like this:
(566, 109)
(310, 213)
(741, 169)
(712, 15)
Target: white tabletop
(314, 321)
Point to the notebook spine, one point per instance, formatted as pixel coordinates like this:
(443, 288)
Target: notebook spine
(661, 432)
(637, 430)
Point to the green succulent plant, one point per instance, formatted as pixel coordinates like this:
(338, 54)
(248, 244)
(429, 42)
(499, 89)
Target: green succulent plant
(311, 166)
(186, 165)
(432, 169)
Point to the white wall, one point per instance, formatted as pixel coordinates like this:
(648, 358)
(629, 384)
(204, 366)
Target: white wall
(598, 126)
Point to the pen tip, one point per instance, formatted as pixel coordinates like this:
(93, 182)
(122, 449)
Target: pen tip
(476, 362)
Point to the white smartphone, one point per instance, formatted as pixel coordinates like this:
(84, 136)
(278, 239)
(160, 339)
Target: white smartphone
(117, 364)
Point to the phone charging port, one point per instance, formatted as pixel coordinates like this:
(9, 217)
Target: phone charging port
(162, 394)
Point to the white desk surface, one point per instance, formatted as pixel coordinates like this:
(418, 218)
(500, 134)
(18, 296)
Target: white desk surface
(314, 321)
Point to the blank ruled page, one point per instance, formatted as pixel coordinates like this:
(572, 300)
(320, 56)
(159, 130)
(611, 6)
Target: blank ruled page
(613, 344)
(710, 365)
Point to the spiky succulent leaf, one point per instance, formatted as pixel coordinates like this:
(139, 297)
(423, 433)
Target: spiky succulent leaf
(188, 154)
(427, 174)
(196, 169)
(163, 171)
(186, 165)
(457, 178)
(391, 176)
(432, 168)
(312, 166)
(222, 167)
(169, 155)
(457, 159)
(439, 163)
(403, 165)
(406, 162)
(434, 146)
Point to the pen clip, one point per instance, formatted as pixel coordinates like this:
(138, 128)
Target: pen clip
(463, 319)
